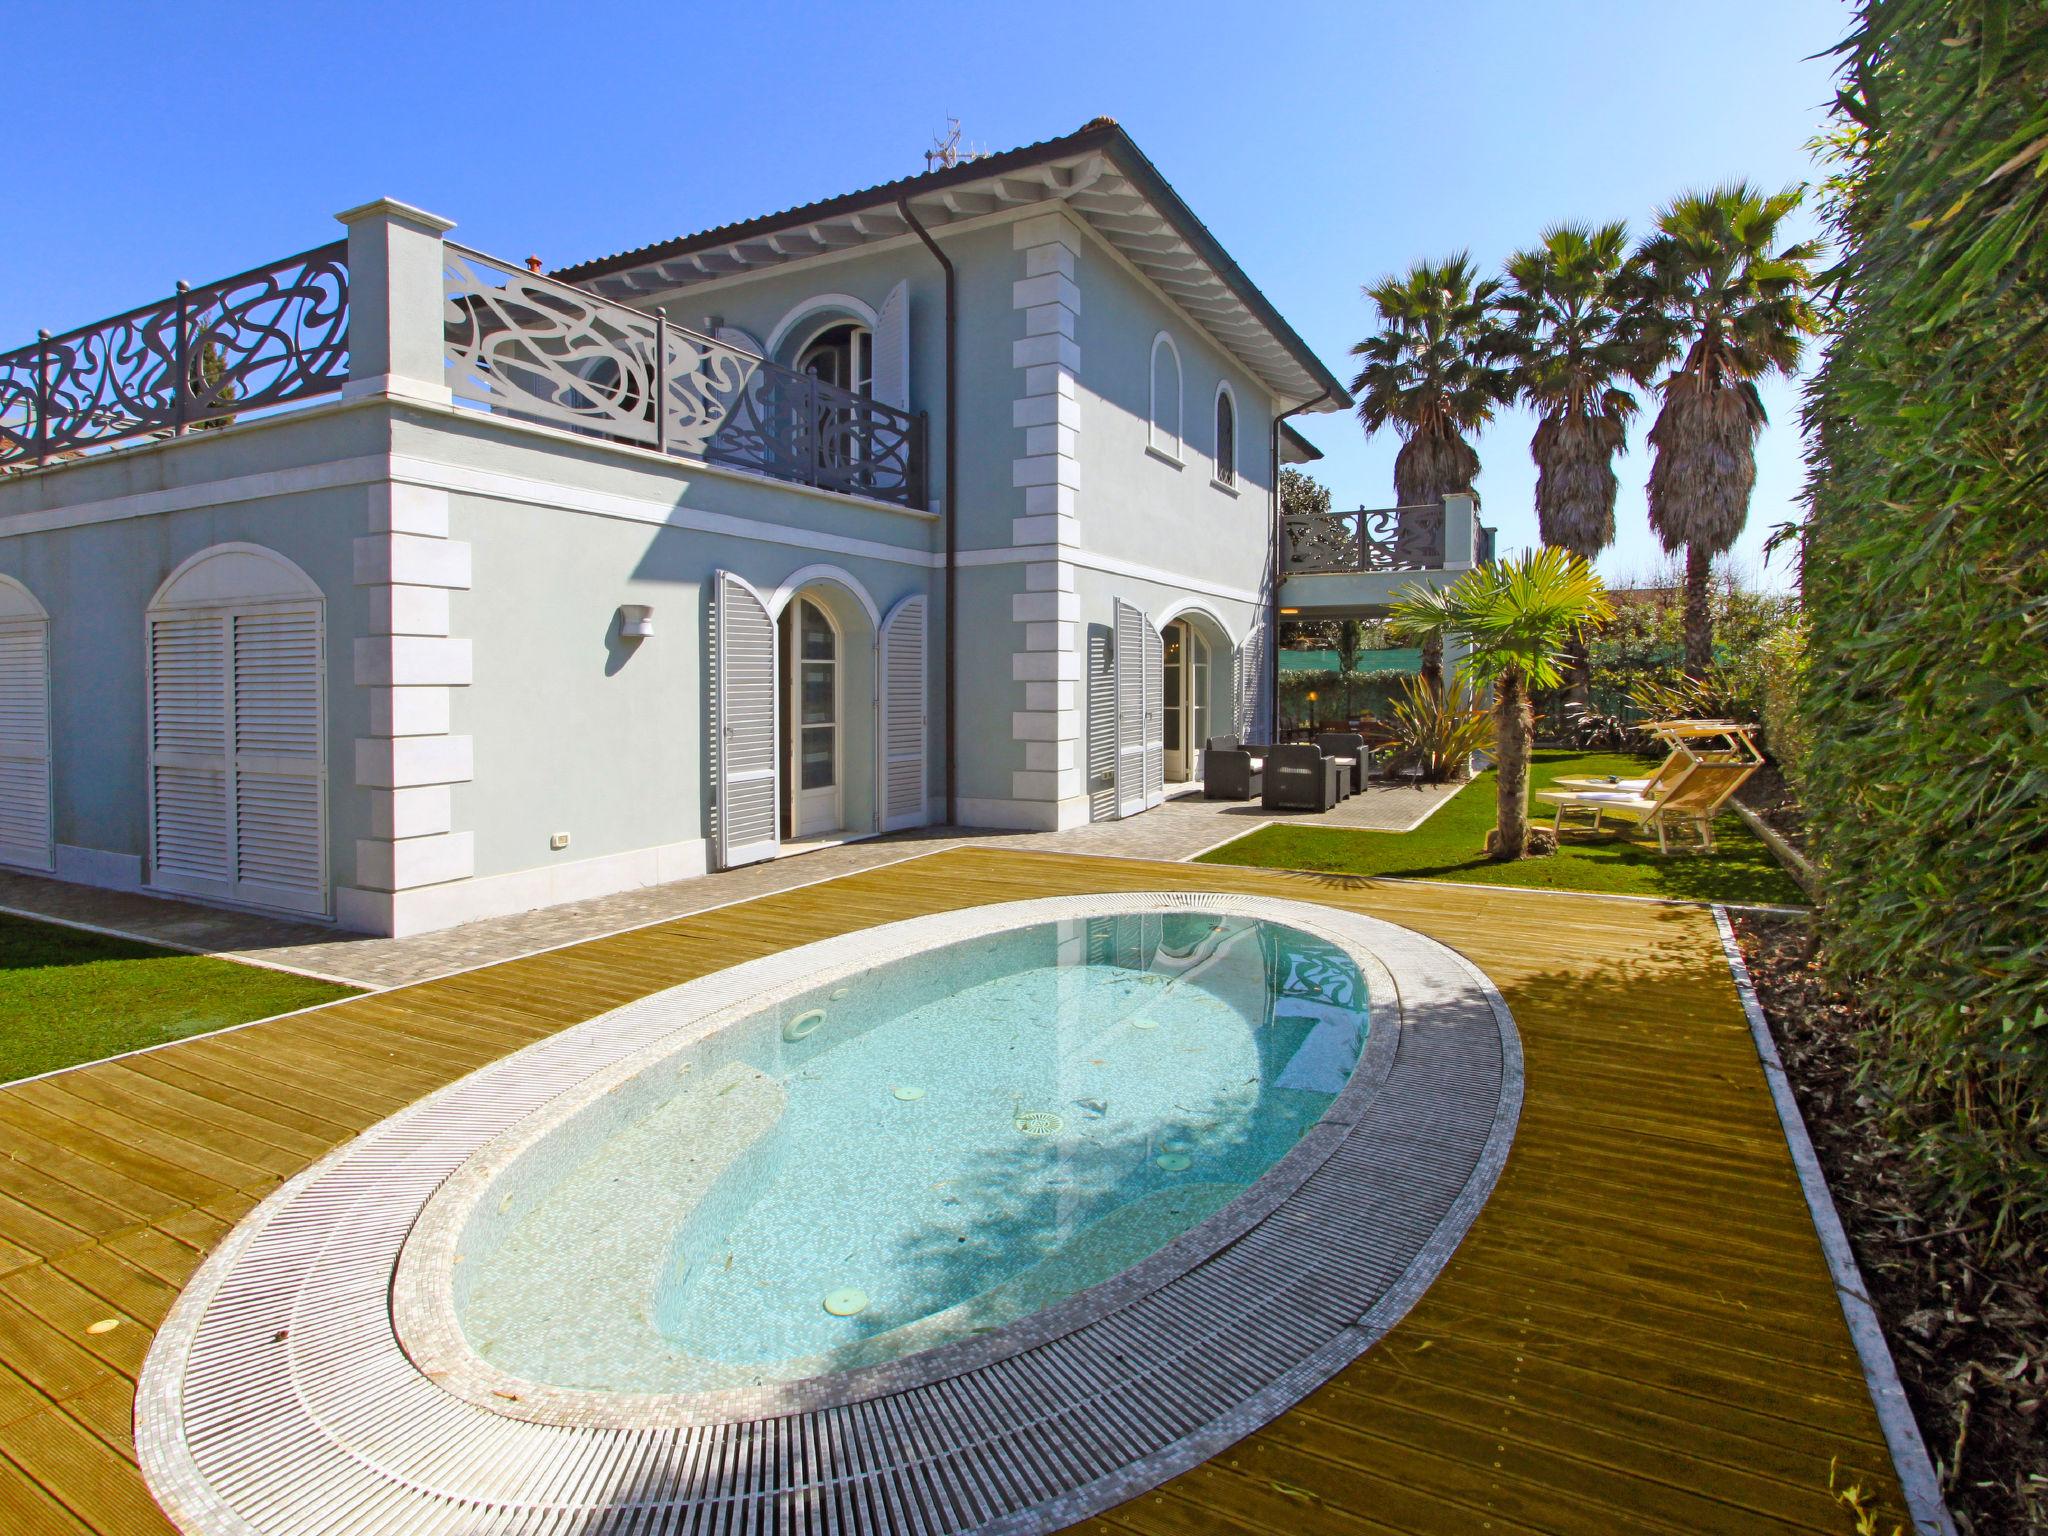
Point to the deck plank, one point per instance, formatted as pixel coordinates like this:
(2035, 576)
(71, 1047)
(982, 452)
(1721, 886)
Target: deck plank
(1639, 1333)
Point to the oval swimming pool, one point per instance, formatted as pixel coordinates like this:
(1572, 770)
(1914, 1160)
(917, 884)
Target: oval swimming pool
(824, 1159)
(914, 1154)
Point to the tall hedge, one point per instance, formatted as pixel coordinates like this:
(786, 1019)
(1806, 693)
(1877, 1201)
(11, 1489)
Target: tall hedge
(1926, 585)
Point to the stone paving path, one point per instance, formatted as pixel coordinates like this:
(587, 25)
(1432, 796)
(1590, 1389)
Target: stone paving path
(1179, 829)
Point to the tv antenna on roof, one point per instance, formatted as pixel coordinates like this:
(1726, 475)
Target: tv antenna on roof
(946, 153)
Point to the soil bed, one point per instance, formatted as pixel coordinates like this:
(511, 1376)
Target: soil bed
(1766, 793)
(1965, 1317)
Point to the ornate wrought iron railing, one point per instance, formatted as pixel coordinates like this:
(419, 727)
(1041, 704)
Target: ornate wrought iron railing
(1388, 539)
(534, 348)
(203, 356)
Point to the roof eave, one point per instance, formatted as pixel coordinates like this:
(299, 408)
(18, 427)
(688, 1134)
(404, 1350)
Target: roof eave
(1105, 138)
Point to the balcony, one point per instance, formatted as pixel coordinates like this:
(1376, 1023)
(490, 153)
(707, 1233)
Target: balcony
(1432, 536)
(512, 343)
(532, 348)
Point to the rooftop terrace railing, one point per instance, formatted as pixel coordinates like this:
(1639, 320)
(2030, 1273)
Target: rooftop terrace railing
(530, 347)
(435, 321)
(273, 335)
(1386, 539)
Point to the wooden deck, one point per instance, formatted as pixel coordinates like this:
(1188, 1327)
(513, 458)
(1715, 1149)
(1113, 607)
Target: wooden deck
(1639, 1335)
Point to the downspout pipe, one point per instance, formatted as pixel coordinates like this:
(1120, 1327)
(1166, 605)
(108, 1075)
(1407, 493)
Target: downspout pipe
(951, 506)
(1278, 534)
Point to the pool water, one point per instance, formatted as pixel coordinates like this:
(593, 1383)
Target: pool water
(918, 1153)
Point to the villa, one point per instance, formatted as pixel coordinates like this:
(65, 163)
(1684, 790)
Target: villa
(423, 587)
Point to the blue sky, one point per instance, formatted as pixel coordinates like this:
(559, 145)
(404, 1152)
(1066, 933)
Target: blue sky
(1325, 144)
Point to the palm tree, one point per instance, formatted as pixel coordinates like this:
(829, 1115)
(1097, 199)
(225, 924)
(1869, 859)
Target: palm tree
(1578, 331)
(1430, 373)
(1350, 647)
(1736, 308)
(1517, 616)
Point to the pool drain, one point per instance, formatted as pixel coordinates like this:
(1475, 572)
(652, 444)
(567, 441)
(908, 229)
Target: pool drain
(1038, 1122)
(909, 1094)
(847, 1301)
(1174, 1162)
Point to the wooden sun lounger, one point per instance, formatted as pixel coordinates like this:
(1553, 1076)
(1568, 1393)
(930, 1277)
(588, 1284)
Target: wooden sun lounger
(1692, 796)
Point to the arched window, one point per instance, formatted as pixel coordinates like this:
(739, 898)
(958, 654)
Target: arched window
(1226, 436)
(1166, 433)
(842, 355)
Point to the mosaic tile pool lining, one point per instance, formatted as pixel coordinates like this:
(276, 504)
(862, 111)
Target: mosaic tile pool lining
(278, 1399)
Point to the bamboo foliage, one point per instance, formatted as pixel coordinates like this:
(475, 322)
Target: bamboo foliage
(1925, 571)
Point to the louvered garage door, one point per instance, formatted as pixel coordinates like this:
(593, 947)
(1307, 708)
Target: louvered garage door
(25, 743)
(743, 724)
(905, 802)
(237, 773)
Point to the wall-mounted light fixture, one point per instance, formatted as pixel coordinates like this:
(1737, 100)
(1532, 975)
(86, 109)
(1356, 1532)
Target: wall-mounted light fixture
(636, 621)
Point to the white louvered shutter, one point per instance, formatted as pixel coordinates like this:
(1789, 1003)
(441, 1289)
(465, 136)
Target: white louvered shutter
(1131, 626)
(905, 800)
(188, 752)
(1237, 693)
(743, 724)
(892, 350)
(25, 743)
(237, 755)
(1251, 660)
(1155, 717)
(279, 821)
(733, 336)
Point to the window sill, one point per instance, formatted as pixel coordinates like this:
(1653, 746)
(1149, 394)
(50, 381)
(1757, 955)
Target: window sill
(1224, 486)
(1164, 457)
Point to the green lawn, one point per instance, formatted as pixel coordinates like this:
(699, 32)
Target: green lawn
(1446, 847)
(68, 996)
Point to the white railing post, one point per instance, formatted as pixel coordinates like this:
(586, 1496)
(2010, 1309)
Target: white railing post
(395, 324)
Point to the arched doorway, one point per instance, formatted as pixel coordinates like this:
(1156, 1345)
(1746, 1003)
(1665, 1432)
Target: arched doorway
(1196, 660)
(827, 710)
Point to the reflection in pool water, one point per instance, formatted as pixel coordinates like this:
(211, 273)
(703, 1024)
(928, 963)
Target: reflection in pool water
(964, 1136)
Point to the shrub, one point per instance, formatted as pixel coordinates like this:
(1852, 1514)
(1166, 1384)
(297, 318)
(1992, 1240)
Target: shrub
(1781, 660)
(1645, 642)
(1439, 732)
(1370, 693)
(1926, 583)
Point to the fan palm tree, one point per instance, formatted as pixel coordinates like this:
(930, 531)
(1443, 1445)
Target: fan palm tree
(1736, 307)
(1517, 615)
(1578, 330)
(1430, 373)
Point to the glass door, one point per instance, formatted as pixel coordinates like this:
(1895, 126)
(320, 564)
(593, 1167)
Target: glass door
(1177, 753)
(814, 721)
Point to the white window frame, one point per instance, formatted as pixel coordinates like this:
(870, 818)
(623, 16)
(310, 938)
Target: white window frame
(1159, 442)
(1225, 477)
